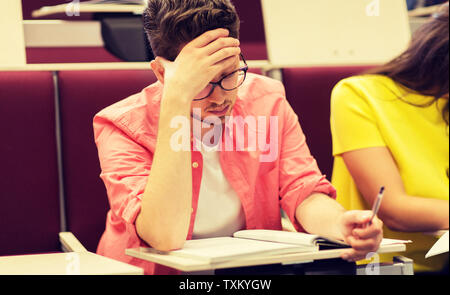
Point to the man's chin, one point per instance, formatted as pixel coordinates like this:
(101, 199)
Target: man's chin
(211, 118)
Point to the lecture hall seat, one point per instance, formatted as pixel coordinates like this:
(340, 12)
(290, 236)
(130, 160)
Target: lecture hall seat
(69, 55)
(82, 95)
(29, 199)
(252, 35)
(308, 91)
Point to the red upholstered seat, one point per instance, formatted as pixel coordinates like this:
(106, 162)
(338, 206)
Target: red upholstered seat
(69, 55)
(254, 50)
(82, 95)
(29, 201)
(308, 91)
(252, 23)
(252, 35)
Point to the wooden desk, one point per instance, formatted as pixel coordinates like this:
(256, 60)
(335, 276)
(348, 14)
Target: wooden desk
(424, 11)
(74, 8)
(194, 265)
(437, 234)
(71, 263)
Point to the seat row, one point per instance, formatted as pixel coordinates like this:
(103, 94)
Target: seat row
(49, 168)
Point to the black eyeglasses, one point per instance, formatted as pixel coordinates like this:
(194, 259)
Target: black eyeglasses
(228, 83)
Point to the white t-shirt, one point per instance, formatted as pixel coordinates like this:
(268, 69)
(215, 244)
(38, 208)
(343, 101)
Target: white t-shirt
(219, 211)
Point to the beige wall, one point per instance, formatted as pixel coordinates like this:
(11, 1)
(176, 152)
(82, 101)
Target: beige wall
(12, 48)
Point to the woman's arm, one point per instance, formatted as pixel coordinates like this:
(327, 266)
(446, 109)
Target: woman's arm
(372, 168)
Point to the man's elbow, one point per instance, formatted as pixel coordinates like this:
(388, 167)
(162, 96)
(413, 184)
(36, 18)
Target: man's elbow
(164, 240)
(161, 242)
(167, 244)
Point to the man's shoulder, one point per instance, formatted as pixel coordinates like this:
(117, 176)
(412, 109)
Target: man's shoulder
(258, 86)
(135, 105)
(261, 91)
(132, 113)
(122, 107)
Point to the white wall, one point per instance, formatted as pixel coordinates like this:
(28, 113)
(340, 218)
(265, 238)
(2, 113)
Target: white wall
(12, 47)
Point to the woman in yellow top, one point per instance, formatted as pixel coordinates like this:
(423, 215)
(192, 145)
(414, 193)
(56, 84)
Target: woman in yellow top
(391, 128)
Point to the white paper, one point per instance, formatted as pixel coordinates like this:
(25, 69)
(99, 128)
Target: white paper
(214, 250)
(441, 246)
(386, 242)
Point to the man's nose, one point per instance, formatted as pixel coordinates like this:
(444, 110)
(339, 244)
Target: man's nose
(217, 96)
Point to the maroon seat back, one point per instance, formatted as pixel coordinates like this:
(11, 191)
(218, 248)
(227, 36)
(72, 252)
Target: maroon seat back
(252, 23)
(82, 95)
(69, 55)
(252, 35)
(308, 91)
(29, 199)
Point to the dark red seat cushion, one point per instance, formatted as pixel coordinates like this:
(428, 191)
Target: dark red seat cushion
(29, 209)
(252, 35)
(308, 91)
(69, 55)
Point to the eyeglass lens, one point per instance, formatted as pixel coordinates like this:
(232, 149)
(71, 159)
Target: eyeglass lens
(228, 83)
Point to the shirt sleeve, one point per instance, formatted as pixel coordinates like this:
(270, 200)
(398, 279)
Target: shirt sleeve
(353, 124)
(125, 166)
(299, 174)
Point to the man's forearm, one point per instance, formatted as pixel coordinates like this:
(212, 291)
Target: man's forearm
(319, 214)
(166, 206)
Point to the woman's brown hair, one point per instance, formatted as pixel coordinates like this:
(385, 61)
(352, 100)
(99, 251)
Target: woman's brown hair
(423, 67)
(169, 24)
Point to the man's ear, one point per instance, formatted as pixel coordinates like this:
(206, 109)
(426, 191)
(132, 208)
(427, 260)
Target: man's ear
(158, 68)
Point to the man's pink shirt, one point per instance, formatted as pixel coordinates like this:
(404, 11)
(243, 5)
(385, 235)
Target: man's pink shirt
(125, 134)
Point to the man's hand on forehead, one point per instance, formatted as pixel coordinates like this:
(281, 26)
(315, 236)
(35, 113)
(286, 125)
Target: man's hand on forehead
(217, 44)
(201, 60)
(209, 37)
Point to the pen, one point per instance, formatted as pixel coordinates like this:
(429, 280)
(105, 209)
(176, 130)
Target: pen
(376, 204)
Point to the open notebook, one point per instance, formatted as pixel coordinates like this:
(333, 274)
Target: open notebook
(248, 243)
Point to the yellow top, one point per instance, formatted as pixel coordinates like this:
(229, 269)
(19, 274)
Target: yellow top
(374, 111)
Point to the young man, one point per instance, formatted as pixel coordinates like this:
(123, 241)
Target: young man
(180, 159)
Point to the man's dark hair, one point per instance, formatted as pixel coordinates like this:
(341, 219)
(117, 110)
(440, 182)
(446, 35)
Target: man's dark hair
(170, 24)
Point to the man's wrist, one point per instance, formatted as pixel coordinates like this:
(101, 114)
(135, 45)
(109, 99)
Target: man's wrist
(177, 98)
(179, 92)
(339, 226)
